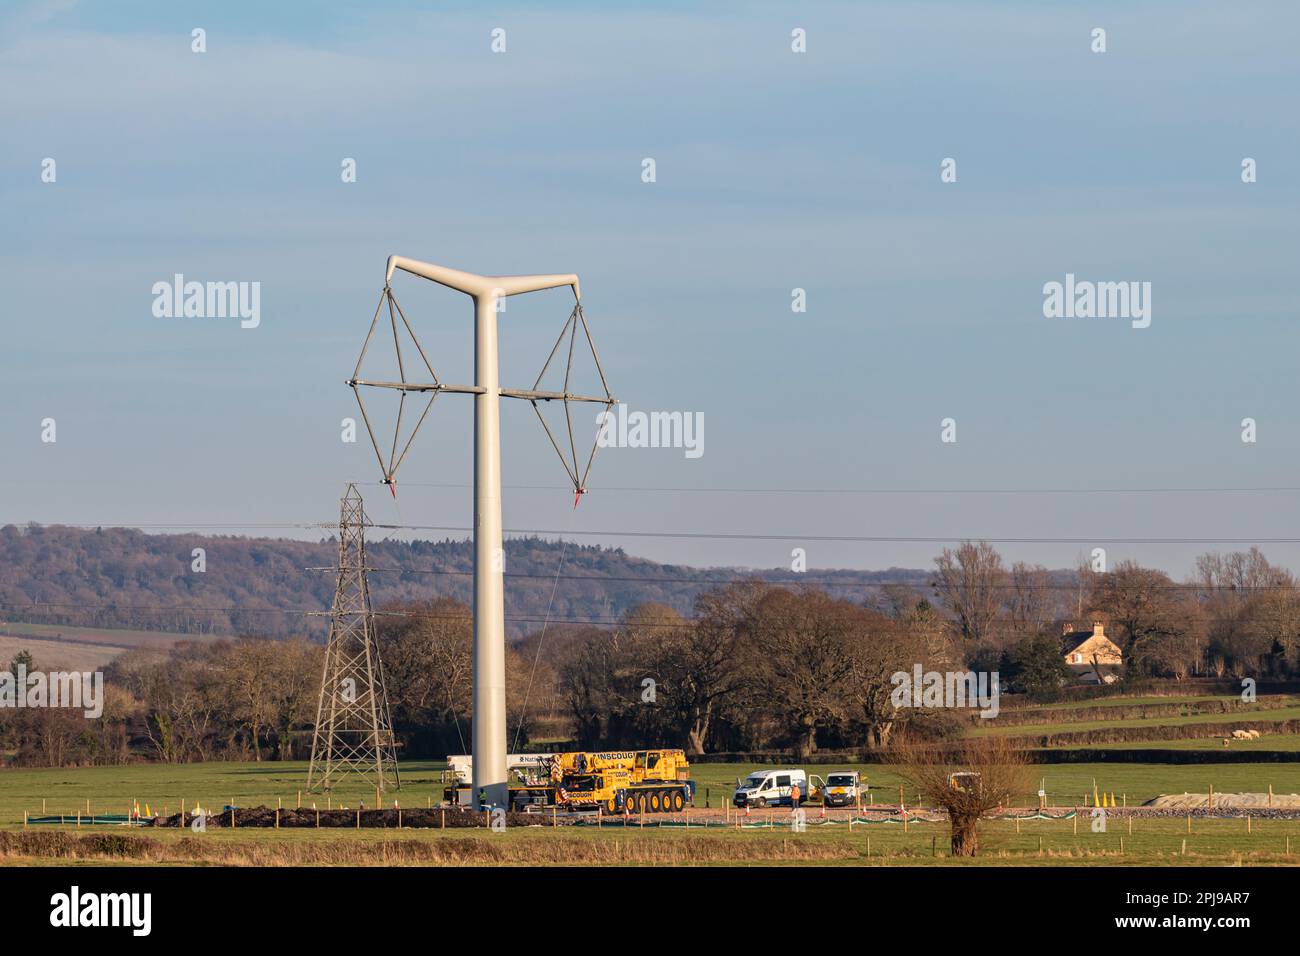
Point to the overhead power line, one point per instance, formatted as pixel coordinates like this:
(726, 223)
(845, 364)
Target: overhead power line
(303, 612)
(769, 490)
(802, 581)
(708, 535)
(654, 489)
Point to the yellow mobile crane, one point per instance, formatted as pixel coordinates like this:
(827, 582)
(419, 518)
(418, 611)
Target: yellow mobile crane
(653, 781)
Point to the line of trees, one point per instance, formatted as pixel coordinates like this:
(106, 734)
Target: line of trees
(1236, 616)
(756, 668)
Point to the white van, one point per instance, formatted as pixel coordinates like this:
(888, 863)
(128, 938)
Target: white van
(771, 788)
(843, 788)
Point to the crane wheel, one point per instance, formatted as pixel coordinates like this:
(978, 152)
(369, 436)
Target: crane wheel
(678, 801)
(611, 806)
(654, 802)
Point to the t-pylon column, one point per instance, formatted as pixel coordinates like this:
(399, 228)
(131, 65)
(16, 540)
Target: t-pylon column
(489, 731)
(488, 780)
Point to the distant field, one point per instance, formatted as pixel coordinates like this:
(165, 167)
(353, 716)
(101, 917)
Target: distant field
(58, 655)
(1272, 715)
(1119, 702)
(78, 648)
(1280, 742)
(119, 638)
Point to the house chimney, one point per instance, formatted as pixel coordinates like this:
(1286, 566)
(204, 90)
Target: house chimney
(1098, 629)
(1067, 628)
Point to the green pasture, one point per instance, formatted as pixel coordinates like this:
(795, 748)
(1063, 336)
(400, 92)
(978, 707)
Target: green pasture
(215, 785)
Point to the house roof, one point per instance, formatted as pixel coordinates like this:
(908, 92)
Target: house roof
(1072, 639)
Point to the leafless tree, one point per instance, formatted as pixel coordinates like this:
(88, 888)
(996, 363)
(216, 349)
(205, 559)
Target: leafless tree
(967, 781)
(970, 582)
(1250, 610)
(879, 648)
(1146, 607)
(1085, 580)
(696, 662)
(801, 661)
(1029, 602)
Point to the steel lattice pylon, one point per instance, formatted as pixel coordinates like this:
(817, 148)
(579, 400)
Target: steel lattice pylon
(354, 730)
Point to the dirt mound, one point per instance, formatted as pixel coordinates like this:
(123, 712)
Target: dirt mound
(1224, 801)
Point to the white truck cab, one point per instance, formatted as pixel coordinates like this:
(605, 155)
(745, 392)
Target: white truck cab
(771, 788)
(843, 788)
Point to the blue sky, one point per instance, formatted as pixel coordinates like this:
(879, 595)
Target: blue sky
(775, 171)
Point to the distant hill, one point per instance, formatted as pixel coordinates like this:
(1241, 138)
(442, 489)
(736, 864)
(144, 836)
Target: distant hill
(125, 578)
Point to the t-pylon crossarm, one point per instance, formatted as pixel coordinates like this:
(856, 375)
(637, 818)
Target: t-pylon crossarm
(479, 286)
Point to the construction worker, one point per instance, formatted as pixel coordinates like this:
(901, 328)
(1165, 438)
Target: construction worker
(794, 796)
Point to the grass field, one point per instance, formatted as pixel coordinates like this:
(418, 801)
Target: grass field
(1152, 842)
(112, 789)
(1064, 727)
(1160, 841)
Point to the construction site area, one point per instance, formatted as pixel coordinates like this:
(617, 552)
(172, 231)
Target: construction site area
(264, 819)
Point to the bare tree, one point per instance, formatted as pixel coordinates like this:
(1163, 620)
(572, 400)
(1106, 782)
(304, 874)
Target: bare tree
(294, 694)
(1145, 605)
(801, 643)
(878, 649)
(966, 781)
(250, 669)
(1029, 601)
(596, 678)
(1249, 610)
(695, 662)
(1085, 580)
(970, 582)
